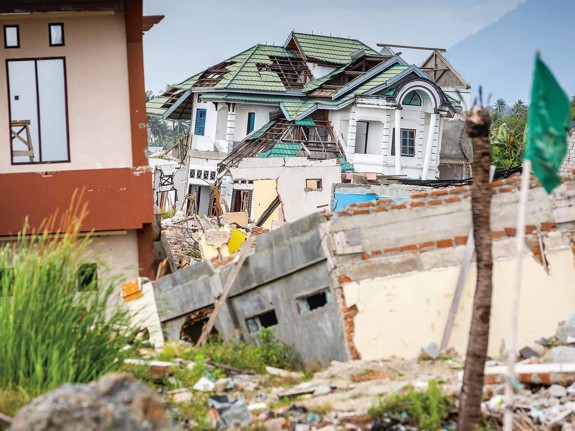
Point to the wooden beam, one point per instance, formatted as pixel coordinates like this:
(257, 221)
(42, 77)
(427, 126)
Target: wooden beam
(411, 47)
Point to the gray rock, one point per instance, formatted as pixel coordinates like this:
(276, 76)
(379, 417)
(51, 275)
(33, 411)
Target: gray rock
(430, 351)
(562, 354)
(566, 329)
(557, 391)
(117, 402)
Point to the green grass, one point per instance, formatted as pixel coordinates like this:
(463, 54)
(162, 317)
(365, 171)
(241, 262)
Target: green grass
(426, 409)
(51, 333)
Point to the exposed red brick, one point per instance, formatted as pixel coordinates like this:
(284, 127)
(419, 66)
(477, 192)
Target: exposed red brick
(510, 231)
(398, 207)
(416, 204)
(529, 228)
(377, 253)
(439, 192)
(365, 256)
(344, 214)
(343, 279)
(497, 183)
(378, 209)
(547, 226)
(513, 180)
(460, 240)
(384, 201)
(452, 200)
(419, 195)
(497, 234)
(410, 247)
(361, 212)
(392, 250)
(435, 202)
(505, 189)
(426, 244)
(456, 190)
(367, 204)
(445, 243)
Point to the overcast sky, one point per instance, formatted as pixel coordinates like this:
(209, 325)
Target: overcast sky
(196, 34)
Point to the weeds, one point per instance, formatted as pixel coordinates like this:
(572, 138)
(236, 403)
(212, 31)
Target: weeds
(426, 409)
(53, 333)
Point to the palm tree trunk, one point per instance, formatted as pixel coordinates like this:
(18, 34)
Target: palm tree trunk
(477, 127)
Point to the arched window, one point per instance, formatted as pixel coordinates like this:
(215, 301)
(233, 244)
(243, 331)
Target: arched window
(412, 98)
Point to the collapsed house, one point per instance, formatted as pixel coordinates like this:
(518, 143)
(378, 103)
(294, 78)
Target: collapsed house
(303, 113)
(379, 278)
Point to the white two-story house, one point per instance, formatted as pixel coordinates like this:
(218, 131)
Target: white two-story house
(316, 97)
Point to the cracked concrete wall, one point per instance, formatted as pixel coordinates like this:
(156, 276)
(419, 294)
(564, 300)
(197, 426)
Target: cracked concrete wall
(399, 269)
(291, 174)
(288, 263)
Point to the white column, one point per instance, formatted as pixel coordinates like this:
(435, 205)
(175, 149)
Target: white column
(351, 131)
(428, 145)
(398, 141)
(231, 126)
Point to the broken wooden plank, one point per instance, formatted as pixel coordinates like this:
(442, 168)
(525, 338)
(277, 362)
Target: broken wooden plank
(244, 252)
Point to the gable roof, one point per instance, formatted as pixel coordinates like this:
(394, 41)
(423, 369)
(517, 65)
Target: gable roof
(442, 72)
(328, 49)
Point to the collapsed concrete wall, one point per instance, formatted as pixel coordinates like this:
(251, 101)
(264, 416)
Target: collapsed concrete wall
(377, 279)
(399, 266)
(286, 286)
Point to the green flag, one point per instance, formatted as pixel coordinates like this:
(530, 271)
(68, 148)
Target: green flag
(547, 126)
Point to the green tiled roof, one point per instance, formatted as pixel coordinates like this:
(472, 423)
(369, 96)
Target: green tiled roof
(335, 50)
(345, 165)
(316, 82)
(281, 149)
(154, 106)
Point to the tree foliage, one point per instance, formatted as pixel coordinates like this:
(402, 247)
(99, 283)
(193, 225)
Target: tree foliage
(509, 132)
(164, 133)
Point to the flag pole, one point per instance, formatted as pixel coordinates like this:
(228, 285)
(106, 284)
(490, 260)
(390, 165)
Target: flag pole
(519, 245)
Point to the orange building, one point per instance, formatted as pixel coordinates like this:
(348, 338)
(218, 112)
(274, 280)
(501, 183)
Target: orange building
(73, 117)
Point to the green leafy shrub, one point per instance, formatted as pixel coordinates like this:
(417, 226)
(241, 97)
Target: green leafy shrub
(426, 409)
(51, 332)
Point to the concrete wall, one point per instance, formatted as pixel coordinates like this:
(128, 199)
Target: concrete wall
(117, 255)
(289, 262)
(398, 264)
(568, 165)
(291, 175)
(97, 87)
(265, 191)
(262, 118)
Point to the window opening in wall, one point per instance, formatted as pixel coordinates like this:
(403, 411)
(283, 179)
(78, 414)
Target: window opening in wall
(407, 142)
(212, 175)
(88, 277)
(206, 175)
(38, 111)
(412, 98)
(313, 184)
(251, 122)
(241, 201)
(56, 33)
(194, 324)
(264, 320)
(361, 139)
(11, 36)
(308, 303)
(200, 127)
(192, 173)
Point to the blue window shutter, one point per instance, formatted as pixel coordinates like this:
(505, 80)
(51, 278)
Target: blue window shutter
(251, 122)
(200, 127)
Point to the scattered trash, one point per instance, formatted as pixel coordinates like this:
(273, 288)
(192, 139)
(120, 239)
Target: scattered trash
(204, 385)
(229, 412)
(430, 352)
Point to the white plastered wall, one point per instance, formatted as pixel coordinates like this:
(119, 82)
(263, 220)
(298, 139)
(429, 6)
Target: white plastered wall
(398, 315)
(97, 87)
(291, 174)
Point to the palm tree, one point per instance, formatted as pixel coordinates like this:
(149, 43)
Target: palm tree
(500, 106)
(519, 107)
(477, 127)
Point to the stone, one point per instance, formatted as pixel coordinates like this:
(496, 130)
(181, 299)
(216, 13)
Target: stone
(527, 353)
(284, 373)
(557, 391)
(566, 329)
(275, 424)
(562, 354)
(429, 352)
(117, 402)
(181, 396)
